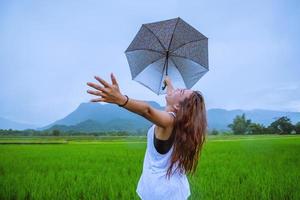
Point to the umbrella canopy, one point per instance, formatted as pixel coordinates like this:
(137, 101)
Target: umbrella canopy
(170, 47)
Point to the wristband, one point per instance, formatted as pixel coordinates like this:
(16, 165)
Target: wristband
(125, 102)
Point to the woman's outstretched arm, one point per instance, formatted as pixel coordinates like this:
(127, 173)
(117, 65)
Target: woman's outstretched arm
(110, 93)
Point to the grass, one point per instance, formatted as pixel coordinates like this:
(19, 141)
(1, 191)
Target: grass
(231, 167)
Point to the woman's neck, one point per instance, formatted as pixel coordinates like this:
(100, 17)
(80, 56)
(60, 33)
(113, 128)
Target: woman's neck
(169, 108)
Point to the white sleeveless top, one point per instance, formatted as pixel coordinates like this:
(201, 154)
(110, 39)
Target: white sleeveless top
(153, 183)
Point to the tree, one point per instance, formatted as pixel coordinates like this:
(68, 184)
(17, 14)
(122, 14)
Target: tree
(240, 125)
(268, 130)
(214, 132)
(297, 128)
(56, 132)
(282, 125)
(255, 128)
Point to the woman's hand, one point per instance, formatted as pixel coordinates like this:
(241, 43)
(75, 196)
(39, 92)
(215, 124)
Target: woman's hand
(167, 79)
(170, 87)
(110, 93)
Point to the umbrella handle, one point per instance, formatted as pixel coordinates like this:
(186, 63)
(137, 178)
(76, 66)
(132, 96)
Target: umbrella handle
(164, 85)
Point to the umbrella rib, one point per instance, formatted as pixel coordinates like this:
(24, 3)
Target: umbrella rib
(173, 33)
(155, 37)
(187, 59)
(145, 86)
(186, 44)
(147, 50)
(155, 61)
(152, 63)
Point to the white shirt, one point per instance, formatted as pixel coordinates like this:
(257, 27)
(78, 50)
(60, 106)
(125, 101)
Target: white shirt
(153, 184)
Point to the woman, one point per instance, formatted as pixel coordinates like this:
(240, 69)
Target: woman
(174, 141)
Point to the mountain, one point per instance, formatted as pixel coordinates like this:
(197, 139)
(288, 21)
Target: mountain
(113, 125)
(90, 117)
(9, 124)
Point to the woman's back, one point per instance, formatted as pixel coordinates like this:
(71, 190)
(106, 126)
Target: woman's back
(153, 183)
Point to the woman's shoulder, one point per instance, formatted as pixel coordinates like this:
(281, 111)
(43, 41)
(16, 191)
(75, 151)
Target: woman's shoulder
(162, 133)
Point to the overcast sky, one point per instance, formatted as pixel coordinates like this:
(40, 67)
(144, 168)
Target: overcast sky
(50, 49)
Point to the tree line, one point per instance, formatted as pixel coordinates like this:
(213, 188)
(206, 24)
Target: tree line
(243, 126)
(57, 132)
(239, 126)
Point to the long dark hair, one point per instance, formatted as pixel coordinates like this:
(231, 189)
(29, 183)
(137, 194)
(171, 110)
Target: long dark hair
(189, 134)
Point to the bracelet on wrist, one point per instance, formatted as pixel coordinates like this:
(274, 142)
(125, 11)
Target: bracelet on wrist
(125, 102)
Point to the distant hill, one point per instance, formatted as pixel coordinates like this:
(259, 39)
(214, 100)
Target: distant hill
(113, 125)
(9, 124)
(90, 117)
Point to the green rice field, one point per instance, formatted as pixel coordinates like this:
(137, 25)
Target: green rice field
(231, 167)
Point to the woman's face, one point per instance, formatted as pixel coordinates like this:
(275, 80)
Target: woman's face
(177, 95)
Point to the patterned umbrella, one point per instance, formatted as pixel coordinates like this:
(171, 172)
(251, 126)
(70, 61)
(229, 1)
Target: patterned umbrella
(170, 47)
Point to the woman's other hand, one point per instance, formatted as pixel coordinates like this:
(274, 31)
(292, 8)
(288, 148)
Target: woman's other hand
(170, 87)
(168, 79)
(109, 93)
